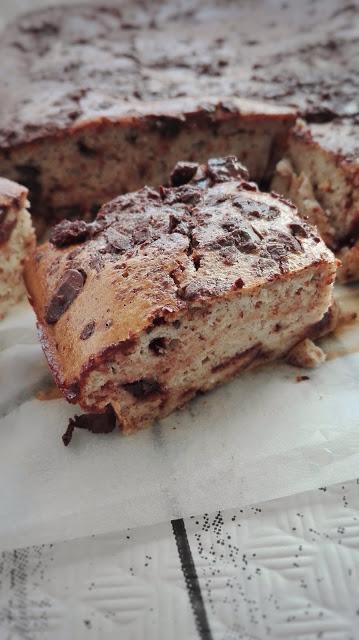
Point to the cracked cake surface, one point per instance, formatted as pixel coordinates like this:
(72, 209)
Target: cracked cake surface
(103, 99)
(173, 290)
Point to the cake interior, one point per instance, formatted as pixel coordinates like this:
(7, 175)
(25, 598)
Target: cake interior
(13, 252)
(208, 345)
(98, 162)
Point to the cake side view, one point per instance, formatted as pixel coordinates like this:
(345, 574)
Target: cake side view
(321, 175)
(170, 292)
(72, 171)
(17, 238)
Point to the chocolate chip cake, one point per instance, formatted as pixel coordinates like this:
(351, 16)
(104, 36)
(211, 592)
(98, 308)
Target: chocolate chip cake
(17, 238)
(100, 100)
(172, 291)
(321, 175)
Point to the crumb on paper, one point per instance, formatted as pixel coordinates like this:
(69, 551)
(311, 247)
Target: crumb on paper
(302, 378)
(306, 355)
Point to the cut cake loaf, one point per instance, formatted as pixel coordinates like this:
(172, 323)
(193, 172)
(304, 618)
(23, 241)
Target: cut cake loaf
(17, 238)
(173, 291)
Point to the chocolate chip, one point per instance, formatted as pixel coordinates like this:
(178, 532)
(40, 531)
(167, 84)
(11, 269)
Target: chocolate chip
(88, 330)
(183, 173)
(298, 230)
(238, 284)
(143, 389)
(69, 288)
(93, 422)
(186, 194)
(69, 232)
(223, 169)
(158, 346)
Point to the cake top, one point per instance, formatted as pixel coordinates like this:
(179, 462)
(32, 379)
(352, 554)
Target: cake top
(152, 255)
(339, 137)
(64, 65)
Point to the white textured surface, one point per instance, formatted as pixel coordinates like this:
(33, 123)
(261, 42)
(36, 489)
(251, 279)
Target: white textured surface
(285, 569)
(230, 440)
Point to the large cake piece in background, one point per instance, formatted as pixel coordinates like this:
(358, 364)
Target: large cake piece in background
(101, 100)
(17, 238)
(72, 170)
(170, 292)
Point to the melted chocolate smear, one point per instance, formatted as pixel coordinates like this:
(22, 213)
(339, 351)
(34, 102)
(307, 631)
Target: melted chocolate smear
(70, 286)
(93, 422)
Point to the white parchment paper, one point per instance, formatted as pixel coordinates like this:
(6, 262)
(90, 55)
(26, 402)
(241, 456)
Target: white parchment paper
(262, 436)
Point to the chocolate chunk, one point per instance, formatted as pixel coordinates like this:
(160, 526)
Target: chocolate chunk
(158, 346)
(223, 169)
(69, 232)
(94, 422)
(238, 284)
(298, 230)
(88, 330)
(143, 389)
(69, 288)
(183, 173)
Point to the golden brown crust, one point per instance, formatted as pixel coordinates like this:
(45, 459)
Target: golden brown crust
(154, 255)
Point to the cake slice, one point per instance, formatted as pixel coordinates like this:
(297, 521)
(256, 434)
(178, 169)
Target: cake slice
(17, 238)
(173, 291)
(321, 175)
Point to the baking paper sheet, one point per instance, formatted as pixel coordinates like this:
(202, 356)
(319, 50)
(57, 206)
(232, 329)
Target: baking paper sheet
(262, 436)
